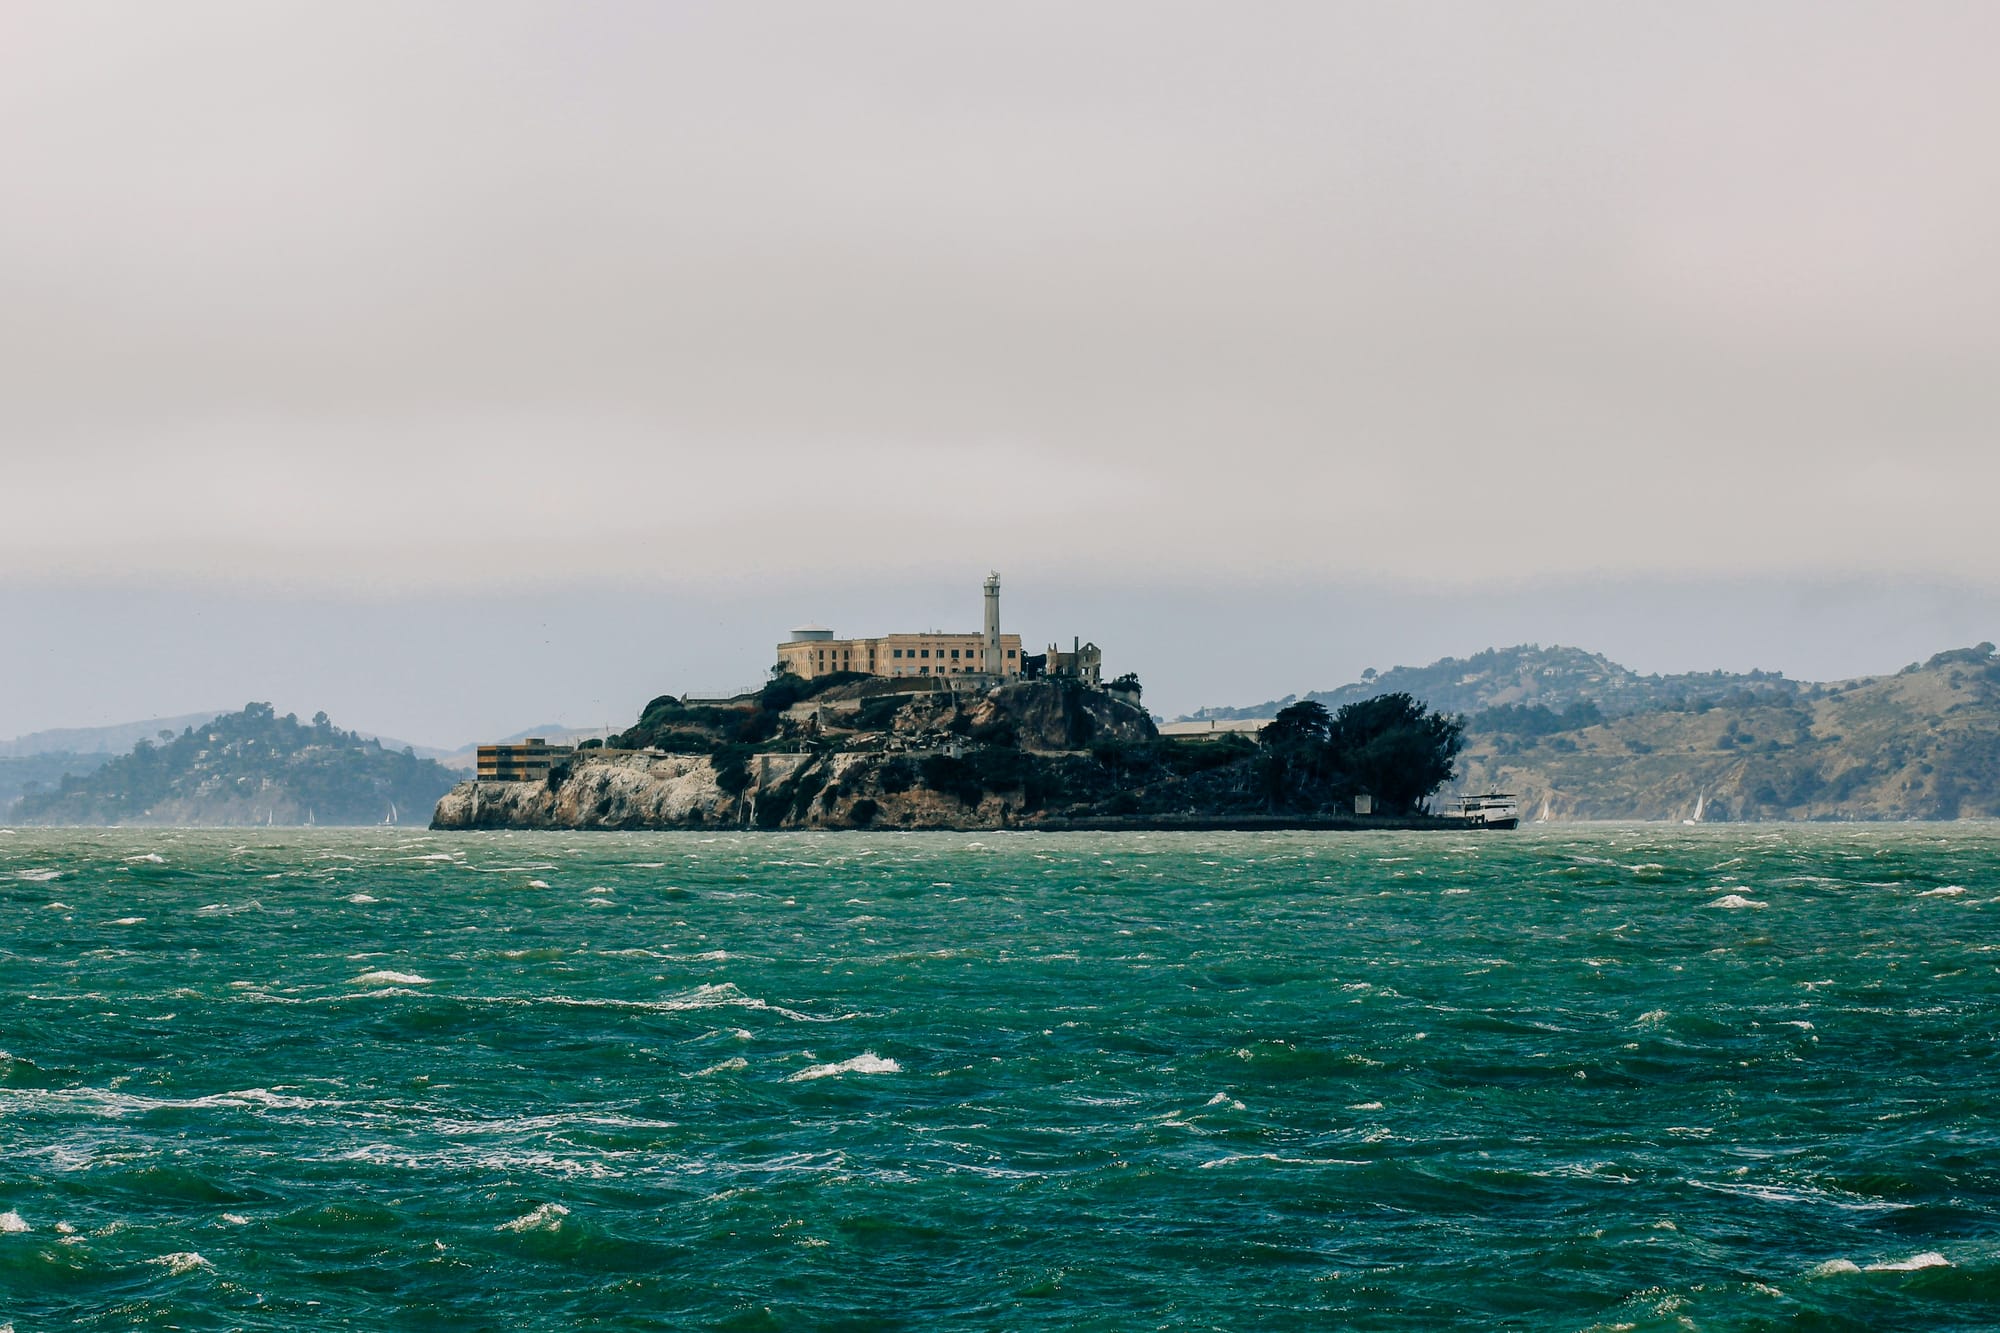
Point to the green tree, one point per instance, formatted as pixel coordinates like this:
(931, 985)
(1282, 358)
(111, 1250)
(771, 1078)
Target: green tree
(1296, 766)
(1391, 747)
(1396, 750)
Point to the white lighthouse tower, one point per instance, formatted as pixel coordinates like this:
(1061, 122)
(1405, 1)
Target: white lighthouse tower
(994, 663)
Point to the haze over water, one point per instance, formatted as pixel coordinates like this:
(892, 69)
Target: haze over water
(1615, 1077)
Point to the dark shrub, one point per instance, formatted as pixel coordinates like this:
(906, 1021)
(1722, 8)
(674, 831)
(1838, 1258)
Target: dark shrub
(998, 732)
(678, 741)
(784, 690)
(878, 714)
(732, 768)
(954, 777)
(898, 775)
(1001, 770)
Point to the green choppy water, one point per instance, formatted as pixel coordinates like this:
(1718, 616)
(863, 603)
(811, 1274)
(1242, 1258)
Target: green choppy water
(1617, 1078)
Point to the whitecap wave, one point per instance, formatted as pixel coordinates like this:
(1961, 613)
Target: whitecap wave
(12, 1223)
(712, 995)
(1928, 1259)
(1280, 1159)
(865, 1063)
(38, 875)
(184, 1262)
(260, 1097)
(361, 899)
(1833, 1267)
(1948, 891)
(153, 857)
(384, 977)
(733, 1063)
(1735, 900)
(546, 1217)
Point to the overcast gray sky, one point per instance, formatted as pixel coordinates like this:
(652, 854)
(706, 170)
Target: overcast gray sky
(756, 307)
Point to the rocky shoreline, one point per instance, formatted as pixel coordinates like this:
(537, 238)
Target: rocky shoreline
(638, 791)
(873, 754)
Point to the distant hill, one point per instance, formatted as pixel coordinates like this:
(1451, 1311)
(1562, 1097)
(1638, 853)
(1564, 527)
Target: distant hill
(120, 737)
(1555, 678)
(466, 758)
(20, 774)
(114, 739)
(249, 767)
(1921, 744)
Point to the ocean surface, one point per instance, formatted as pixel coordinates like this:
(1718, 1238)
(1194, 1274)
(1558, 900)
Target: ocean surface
(1615, 1078)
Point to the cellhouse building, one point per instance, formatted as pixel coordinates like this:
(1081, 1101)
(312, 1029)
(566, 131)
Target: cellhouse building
(814, 651)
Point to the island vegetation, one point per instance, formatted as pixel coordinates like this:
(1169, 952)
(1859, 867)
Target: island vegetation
(247, 767)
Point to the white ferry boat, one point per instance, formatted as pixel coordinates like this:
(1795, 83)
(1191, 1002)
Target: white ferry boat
(1493, 809)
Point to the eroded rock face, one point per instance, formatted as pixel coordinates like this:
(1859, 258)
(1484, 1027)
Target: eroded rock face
(626, 790)
(617, 790)
(1048, 717)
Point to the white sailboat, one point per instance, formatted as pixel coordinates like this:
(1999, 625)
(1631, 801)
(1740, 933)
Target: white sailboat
(390, 818)
(1543, 817)
(1700, 804)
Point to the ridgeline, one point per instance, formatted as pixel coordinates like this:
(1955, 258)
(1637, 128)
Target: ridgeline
(1586, 738)
(1921, 744)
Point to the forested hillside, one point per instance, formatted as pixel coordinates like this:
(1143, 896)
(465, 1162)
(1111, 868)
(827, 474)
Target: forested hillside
(249, 767)
(1921, 744)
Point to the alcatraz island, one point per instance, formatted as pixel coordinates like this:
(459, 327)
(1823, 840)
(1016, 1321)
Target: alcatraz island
(964, 731)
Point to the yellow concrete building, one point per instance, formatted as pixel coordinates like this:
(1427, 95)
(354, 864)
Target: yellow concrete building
(813, 651)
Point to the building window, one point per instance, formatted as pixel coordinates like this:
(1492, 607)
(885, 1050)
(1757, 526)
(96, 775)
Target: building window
(1010, 652)
(923, 671)
(896, 652)
(954, 652)
(924, 653)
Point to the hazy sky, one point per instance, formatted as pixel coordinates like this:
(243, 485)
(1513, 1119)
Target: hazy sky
(712, 316)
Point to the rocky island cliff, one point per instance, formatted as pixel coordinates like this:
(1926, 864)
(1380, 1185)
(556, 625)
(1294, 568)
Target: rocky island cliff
(842, 753)
(868, 752)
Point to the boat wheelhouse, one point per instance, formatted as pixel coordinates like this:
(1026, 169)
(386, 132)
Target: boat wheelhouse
(1493, 809)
